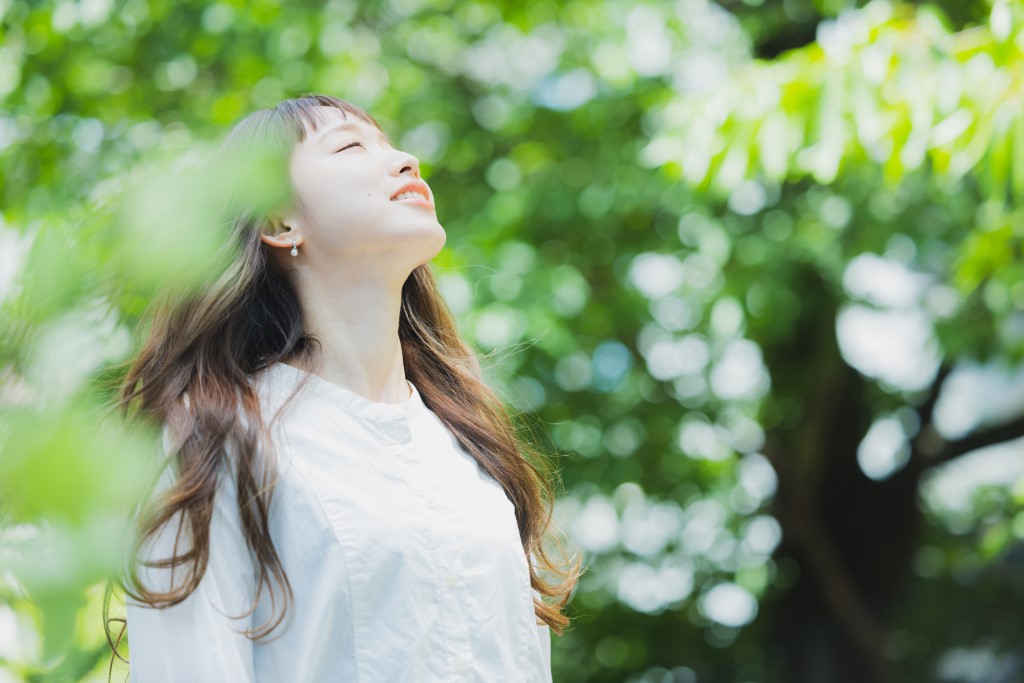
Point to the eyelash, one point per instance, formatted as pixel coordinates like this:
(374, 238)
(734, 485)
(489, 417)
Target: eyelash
(352, 144)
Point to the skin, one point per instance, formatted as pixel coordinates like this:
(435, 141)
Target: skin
(356, 249)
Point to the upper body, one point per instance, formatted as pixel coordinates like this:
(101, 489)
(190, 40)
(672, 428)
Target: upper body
(403, 554)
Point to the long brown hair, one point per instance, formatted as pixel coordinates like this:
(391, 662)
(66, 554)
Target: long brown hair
(205, 343)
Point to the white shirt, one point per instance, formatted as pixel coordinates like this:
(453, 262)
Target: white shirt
(402, 552)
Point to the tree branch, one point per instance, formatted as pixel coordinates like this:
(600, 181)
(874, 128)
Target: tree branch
(926, 409)
(931, 450)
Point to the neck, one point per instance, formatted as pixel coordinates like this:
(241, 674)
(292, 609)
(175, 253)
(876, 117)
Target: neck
(358, 334)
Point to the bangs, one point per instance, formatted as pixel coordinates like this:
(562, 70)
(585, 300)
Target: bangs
(305, 114)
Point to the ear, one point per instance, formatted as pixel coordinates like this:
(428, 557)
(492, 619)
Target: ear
(278, 231)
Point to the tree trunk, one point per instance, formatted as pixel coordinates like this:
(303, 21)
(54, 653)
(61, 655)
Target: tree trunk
(851, 537)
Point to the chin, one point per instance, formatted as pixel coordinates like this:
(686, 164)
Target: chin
(440, 242)
(425, 239)
(435, 233)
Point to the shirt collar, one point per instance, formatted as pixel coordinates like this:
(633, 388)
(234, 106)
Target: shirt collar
(337, 395)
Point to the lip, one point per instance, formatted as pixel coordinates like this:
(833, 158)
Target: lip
(414, 186)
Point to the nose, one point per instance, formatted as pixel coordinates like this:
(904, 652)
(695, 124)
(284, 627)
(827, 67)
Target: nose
(404, 162)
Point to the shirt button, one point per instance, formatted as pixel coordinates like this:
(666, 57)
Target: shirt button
(459, 664)
(451, 579)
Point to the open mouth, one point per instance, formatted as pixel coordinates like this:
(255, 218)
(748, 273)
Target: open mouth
(412, 194)
(415, 191)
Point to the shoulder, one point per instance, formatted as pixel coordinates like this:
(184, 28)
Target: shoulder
(278, 391)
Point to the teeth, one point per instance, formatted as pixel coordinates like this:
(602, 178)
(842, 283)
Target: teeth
(408, 195)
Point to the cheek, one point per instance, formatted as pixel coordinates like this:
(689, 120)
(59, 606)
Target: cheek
(335, 192)
(338, 195)
(350, 212)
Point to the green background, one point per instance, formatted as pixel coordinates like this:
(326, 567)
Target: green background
(750, 271)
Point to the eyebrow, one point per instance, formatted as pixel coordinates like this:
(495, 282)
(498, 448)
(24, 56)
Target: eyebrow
(350, 125)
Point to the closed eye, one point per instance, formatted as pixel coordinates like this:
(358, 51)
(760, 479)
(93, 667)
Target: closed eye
(349, 145)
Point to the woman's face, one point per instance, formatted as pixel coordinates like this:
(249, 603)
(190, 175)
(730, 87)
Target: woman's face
(347, 178)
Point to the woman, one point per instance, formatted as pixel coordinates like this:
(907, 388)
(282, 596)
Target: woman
(344, 499)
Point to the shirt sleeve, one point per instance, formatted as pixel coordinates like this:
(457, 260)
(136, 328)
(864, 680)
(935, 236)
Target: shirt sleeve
(545, 645)
(543, 630)
(195, 640)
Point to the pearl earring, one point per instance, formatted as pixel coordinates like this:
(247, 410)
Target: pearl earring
(295, 249)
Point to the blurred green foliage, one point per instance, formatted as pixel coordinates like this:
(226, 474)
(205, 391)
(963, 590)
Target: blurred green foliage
(659, 218)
